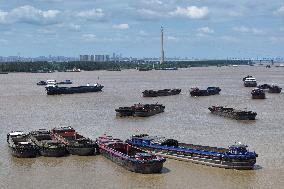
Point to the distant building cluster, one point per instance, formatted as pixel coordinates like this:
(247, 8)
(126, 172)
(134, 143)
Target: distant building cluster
(40, 58)
(120, 58)
(95, 58)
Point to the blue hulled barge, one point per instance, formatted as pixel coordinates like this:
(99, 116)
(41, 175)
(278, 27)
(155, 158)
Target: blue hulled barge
(235, 157)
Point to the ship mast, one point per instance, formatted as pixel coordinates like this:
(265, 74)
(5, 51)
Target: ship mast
(162, 46)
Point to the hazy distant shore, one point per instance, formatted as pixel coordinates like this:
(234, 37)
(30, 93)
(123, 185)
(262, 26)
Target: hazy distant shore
(90, 66)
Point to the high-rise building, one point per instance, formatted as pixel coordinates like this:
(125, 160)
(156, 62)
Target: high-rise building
(99, 58)
(84, 57)
(107, 58)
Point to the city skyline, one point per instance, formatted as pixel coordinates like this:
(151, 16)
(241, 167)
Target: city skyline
(200, 29)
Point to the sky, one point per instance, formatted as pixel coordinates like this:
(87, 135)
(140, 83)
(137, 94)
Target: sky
(192, 28)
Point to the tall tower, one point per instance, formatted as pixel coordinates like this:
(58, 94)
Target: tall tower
(162, 46)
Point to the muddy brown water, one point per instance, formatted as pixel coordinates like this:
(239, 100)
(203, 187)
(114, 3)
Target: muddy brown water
(25, 106)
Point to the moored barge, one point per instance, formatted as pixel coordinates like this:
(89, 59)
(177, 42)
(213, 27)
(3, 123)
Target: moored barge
(149, 110)
(233, 113)
(129, 157)
(47, 145)
(140, 110)
(56, 90)
(125, 111)
(76, 144)
(21, 145)
(274, 89)
(235, 157)
(271, 88)
(164, 92)
(258, 93)
(209, 91)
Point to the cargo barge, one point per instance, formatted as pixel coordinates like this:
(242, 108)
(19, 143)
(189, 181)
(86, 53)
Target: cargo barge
(129, 157)
(257, 94)
(140, 110)
(233, 113)
(235, 157)
(76, 144)
(209, 91)
(56, 90)
(47, 145)
(164, 92)
(21, 145)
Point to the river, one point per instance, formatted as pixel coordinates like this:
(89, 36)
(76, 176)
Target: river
(25, 106)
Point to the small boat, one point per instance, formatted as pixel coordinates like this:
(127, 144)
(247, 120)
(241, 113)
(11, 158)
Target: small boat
(258, 94)
(76, 144)
(21, 145)
(51, 82)
(144, 69)
(140, 110)
(248, 76)
(250, 82)
(209, 91)
(233, 113)
(65, 82)
(164, 92)
(74, 70)
(274, 89)
(168, 68)
(129, 157)
(48, 146)
(235, 157)
(55, 90)
(42, 83)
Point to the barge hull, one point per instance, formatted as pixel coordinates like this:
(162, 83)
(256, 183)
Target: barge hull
(24, 153)
(53, 152)
(237, 117)
(144, 168)
(81, 151)
(204, 161)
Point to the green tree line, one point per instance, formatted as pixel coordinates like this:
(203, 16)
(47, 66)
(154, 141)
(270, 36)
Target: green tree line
(89, 66)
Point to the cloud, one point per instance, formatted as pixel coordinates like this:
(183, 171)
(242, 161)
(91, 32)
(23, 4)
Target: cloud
(29, 14)
(172, 38)
(3, 41)
(46, 31)
(192, 12)
(244, 29)
(279, 11)
(235, 13)
(143, 33)
(93, 38)
(93, 14)
(121, 26)
(3, 17)
(205, 30)
(89, 37)
(73, 27)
